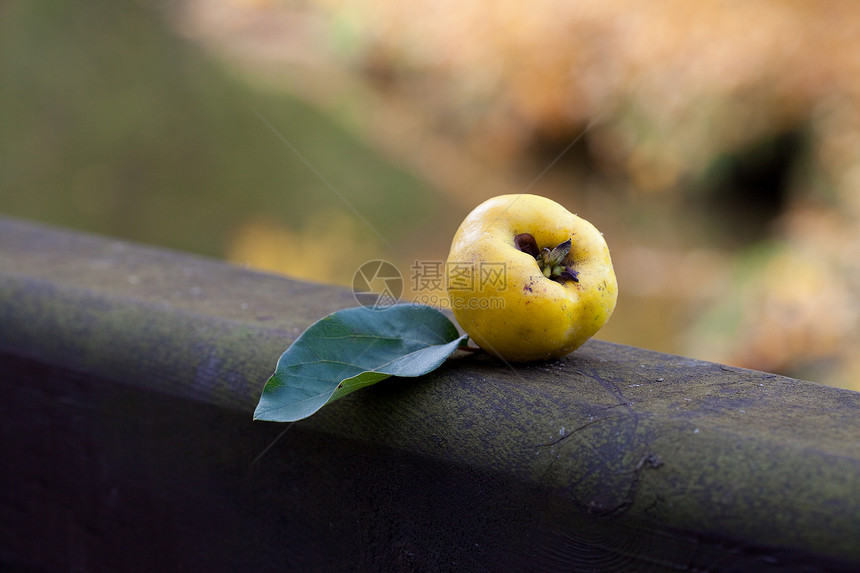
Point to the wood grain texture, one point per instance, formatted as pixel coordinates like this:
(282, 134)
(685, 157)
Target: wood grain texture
(612, 458)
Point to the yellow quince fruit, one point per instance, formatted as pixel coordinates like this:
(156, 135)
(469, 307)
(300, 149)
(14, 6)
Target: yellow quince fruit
(529, 280)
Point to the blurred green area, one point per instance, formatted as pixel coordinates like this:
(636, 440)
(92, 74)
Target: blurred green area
(111, 123)
(308, 137)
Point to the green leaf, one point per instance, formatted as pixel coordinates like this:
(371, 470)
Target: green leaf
(351, 349)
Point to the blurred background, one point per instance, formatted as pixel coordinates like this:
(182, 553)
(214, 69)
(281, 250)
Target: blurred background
(716, 145)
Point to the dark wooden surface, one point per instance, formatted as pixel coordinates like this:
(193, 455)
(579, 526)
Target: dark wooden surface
(129, 376)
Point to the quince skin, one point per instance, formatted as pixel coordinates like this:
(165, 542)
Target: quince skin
(529, 280)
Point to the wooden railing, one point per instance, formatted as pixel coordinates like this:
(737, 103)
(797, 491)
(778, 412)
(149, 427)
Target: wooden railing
(129, 376)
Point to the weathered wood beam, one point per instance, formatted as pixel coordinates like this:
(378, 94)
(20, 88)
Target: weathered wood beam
(612, 457)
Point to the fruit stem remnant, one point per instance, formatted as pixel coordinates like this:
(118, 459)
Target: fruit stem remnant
(551, 262)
